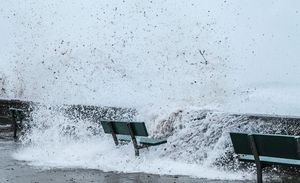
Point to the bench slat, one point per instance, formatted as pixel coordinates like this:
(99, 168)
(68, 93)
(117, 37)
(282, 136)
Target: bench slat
(126, 138)
(139, 128)
(5, 120)
(143, 140)
(151, 141)
(241, 143)
(277, 146)
(270, 160)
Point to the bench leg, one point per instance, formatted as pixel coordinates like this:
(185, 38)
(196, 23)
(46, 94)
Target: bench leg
(134, 141)
(15, 128)
(136, 146)
(113, 133)
(258, 164)
(136, 152)
(115, 139)
(259, 173)
(20, 127)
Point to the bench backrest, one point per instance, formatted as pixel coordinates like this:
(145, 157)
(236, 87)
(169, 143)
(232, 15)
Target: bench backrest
(12, 114)
(5, 120)
(241, 143)
(18, 114)
(121, 128)
(279, 146)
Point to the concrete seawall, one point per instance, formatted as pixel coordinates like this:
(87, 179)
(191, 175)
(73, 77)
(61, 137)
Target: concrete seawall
(288, 124)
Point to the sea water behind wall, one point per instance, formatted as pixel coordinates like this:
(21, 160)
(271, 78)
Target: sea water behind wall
(167, 59)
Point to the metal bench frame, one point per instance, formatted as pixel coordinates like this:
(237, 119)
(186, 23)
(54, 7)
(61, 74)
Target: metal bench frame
(259, 165)
(134, 140)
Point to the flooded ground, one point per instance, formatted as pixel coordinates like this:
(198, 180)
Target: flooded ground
(13, 171)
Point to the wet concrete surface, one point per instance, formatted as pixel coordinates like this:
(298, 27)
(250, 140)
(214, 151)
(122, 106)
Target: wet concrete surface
(13, 171)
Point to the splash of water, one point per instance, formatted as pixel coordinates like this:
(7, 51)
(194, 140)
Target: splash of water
(198, 143)
(140, 52)
(55, 140)
(221, 54)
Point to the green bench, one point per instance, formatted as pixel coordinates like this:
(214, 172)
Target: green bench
(266, 150)
(131, 131)
(14, 119)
